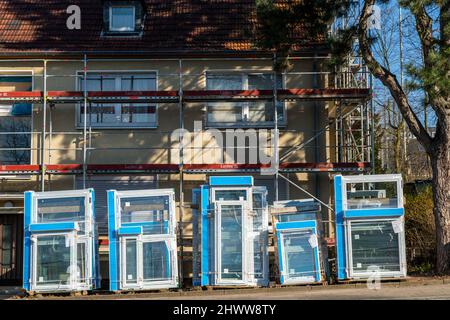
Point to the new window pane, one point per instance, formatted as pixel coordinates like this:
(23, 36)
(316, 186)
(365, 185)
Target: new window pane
(131, 261)
(52, 260)
(61, 209)
(151, 209)
(231, 242)
(372, 195)
(156, 260)
(81, 262)
(122, 18)
(374, 244)
(230, 195)
(299, 255)
(259, 240)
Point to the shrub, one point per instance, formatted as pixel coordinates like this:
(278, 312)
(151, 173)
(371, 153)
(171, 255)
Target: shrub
(420, 233)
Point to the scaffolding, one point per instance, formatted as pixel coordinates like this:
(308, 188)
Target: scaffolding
(349, 126)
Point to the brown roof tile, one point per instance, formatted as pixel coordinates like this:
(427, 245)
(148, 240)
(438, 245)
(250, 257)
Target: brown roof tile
(171, 25)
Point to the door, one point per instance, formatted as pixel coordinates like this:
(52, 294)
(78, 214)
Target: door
(231, 242)
(298, 256)
(11, 243)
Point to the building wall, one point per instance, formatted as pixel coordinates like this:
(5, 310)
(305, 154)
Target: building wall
(304, 119)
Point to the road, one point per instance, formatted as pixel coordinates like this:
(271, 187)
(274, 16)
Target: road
(427, 290)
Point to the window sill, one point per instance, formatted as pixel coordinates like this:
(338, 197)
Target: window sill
(119, 127)
(121, 34)
(262, 125)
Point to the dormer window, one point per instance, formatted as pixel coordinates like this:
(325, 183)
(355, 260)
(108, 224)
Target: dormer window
(123, 18)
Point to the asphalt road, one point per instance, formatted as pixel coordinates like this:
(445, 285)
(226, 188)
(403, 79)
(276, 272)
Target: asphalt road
(435, 290)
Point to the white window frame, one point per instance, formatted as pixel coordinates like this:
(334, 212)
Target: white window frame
(245, 105)
(66, 194)
(111, 29)
(141, 284)
(74, 283)
(397, 178)
(264, 233)
(288, 279)
(148, 193)
(383, 274)
(169, 239)
(246, 250)
(117, 125)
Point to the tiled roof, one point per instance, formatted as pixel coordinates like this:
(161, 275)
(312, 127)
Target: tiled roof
(170, 25)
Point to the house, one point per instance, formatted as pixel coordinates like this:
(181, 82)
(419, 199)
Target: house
(104, 106)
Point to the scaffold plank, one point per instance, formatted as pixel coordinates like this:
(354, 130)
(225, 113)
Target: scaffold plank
(172, 96)
(187, 168)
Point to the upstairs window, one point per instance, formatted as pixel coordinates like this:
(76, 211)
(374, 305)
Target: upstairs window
(119, 115)
(243, 114)
(122, 18)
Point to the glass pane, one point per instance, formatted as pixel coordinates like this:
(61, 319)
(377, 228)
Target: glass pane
(16, 140)
(53, 260)
(81, 262)
(6, 246)
(225, 112)
(122, 19)
(61, 210)
(259, 239)
(154, 210)
(372, 195)
(156, 261)
(138, 112)
(231, 242)
(224, 82)
(131, 261)
(374, 244)
(230, 195)
(298, 255)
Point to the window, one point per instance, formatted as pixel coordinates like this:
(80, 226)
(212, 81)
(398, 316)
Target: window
(122, 18)
(116, 115)
(364, 195)
(15, 121)
(250, 114)
(375, 243)
(18, 138)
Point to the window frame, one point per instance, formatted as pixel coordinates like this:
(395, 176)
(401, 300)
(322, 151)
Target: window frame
(110, 27)
(245, 105)
(24, 73)
(118, 125)
(383, 274)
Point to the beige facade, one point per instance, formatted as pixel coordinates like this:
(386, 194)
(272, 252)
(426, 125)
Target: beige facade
(64, 136)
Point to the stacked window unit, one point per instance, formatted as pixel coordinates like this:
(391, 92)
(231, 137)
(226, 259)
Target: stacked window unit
(142, 240)
(370, 237)
(230, 233)
(297, 234)
(60, 251)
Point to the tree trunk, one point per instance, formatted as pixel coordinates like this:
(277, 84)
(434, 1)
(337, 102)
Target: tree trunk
(440, 164)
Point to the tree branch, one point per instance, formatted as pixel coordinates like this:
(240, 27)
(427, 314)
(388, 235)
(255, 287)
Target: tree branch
(390, 80)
